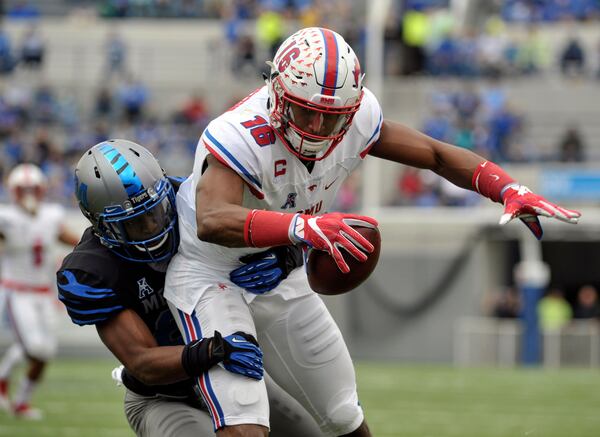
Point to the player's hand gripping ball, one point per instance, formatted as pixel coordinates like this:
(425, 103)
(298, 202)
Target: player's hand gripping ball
(325, 277)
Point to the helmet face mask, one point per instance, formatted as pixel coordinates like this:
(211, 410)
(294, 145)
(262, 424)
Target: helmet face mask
(128, 199)
(142, 232)
(315, 88)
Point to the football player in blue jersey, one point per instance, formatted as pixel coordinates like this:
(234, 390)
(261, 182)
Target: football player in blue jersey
(114, 280)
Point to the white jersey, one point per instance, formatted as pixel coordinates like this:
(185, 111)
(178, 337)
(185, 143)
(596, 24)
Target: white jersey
(26, 261)
(276, 180)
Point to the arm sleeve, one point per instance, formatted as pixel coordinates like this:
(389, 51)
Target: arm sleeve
(230, 147)
(88, 302)
(369, 119)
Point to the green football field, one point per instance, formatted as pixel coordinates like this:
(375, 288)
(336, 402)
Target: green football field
(79, 399)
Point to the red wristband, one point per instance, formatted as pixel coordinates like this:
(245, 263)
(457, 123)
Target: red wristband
(489, 180)
(267, 228)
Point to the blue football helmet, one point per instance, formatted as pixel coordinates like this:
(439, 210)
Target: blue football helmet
(125, 194)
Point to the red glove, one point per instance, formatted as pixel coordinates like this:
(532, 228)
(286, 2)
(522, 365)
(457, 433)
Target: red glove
(330, 232)
(520, 202)
(491, 181)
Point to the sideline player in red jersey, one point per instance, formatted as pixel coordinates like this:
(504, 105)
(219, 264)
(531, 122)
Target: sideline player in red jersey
(29, 228)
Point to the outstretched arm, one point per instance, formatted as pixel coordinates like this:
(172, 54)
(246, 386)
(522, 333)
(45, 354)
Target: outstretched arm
(468, 170)
(68, 236)
(408, 146)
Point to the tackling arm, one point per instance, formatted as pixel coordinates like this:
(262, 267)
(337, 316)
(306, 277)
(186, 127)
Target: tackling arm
(129, 339)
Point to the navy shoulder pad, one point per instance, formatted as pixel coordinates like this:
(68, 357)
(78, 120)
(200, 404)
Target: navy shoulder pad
(86, 304)
(176, 181)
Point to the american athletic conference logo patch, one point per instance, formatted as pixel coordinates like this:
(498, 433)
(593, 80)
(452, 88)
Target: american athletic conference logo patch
(145, 289)
(290, 202)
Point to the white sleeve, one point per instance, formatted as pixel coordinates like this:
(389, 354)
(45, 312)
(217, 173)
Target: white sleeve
(369, 119)
(4, 219)
(229, 145)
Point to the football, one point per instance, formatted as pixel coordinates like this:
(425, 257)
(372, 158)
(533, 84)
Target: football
(326, 278)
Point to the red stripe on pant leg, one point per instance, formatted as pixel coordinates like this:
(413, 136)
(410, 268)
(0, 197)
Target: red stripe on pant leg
(207, 398)
(190, 327)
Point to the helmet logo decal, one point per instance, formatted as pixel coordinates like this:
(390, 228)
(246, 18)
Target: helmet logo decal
(289, 53)
(131, 182)
(331, 63)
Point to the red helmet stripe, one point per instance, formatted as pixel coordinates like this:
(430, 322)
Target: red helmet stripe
(331, 63)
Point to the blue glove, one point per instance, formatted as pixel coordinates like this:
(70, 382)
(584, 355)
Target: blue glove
(239, 353)
(265, 270)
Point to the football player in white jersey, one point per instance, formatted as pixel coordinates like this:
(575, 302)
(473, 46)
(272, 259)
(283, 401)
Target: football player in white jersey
(265, 174)
(28, 230)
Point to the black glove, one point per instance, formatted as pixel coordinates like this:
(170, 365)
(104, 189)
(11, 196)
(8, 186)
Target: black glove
(265, 270)
(239, 353)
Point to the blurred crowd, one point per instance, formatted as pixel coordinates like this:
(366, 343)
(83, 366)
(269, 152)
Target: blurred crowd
(549, 10)
(41, 125)
(38, 124)
(556, 309)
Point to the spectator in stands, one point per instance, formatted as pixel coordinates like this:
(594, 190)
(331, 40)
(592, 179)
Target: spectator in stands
(466, 102)
(194, 112)
(572, 59)
(415, 25)
(502, 128)
(587, 306)
(439, 125)
(270, 29)
(533, 53)
(133, 96)
(103, 105)
(7, 60)
(45, 104)
(116, 56)
(409, 186)
(492, 46)
(32, 49)
(244, 63)
(571, 147)
(554, 311)
(506, 304)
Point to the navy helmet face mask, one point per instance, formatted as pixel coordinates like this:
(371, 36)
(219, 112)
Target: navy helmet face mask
(128, 199)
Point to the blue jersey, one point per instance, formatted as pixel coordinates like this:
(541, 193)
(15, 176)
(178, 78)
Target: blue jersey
(95, 284)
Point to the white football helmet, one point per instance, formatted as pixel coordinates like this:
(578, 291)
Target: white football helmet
(27, 186)
(314, 75)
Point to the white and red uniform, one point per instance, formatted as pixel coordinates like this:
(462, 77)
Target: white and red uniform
(27, 272)
(304, 350)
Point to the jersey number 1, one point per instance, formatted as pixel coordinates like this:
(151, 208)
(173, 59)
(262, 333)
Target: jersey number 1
(260, 130)
(38, 252)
